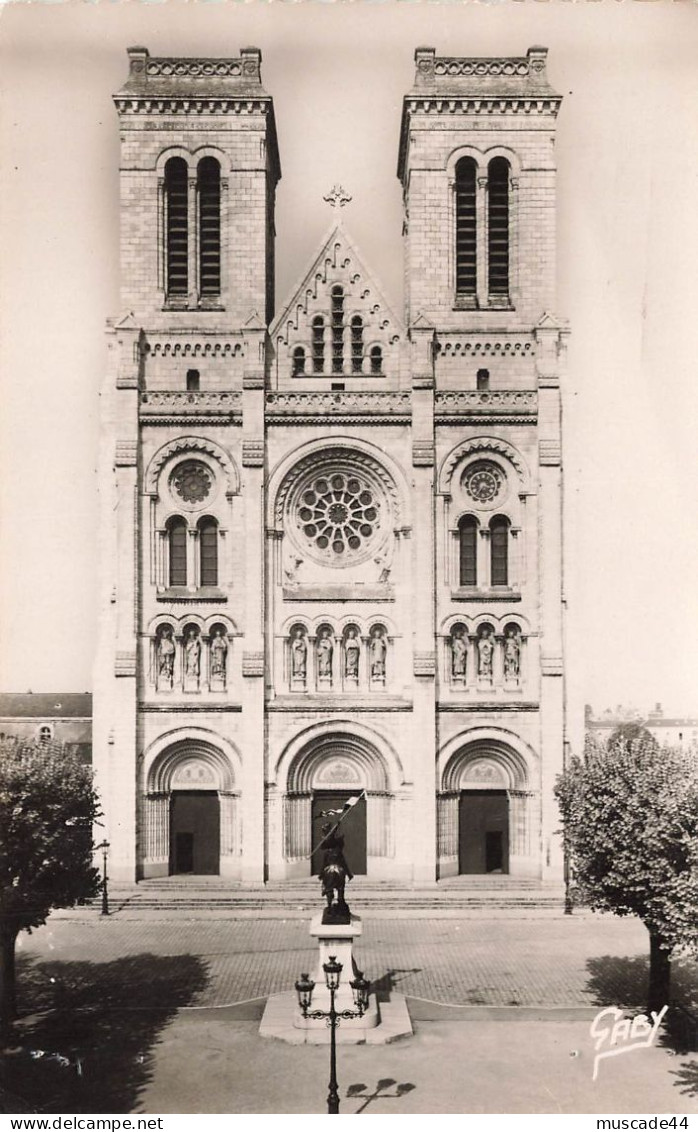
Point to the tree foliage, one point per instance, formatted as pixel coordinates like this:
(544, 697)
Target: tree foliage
(47, 809)
(630, 814)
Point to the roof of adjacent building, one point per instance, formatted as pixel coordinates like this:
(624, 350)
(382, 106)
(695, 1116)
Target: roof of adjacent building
(45, 705)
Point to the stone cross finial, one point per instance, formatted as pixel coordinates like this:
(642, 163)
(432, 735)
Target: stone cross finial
(337, 197)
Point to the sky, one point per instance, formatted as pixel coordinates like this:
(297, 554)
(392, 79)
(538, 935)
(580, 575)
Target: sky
(627, 156)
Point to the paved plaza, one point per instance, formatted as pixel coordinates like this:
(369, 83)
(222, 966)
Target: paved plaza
(161, 1015)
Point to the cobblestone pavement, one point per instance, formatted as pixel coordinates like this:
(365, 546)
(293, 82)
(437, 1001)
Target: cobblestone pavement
(553, 961)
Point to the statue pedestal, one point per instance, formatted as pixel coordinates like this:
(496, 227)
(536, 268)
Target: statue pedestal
(337, 940)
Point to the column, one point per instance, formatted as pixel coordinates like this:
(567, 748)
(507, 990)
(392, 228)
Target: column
(481, 235)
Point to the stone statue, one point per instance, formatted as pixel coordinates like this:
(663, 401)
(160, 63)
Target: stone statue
(299, 654)
(512, 655)
(193, 655)
(219, 655)
(377, 652)
(485, 652)
(459, 653)
(352, 650)
(334, 874)
(166, 655)
(324, 654)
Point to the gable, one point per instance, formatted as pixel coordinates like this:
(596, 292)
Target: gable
(337, 324)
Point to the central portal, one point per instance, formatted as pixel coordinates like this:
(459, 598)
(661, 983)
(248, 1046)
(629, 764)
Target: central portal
(195, 832)
(483, 832)
(353, 828)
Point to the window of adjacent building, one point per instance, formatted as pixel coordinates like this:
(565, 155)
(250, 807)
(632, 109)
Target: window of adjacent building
(193, 383)
(177, 535)
(466, 241)
(498, 226)
(467, 533)
(499, 551)
(209, 192)
(208, 552)
(176, 228)
(357, 343)
(318, 332)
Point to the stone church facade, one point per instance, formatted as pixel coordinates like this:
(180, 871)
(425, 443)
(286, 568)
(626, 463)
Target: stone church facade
(332, 534)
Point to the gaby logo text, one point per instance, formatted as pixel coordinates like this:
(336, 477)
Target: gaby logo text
(613, 1033)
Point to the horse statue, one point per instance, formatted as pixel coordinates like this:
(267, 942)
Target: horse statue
(334, 874)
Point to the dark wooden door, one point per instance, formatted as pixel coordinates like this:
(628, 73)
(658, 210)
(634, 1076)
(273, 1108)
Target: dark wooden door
(483, 826)
(352, 829)
(195, 832)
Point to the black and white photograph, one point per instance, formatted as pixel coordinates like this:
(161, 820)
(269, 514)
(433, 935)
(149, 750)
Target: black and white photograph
(348, 615)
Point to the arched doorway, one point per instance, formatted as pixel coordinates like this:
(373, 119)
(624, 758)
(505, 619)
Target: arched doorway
(189, 815)
(487, 811)
(334, 775)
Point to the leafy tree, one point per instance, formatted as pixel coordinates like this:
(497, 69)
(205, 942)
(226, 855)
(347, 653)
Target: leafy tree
(47, 808)
(630, 814)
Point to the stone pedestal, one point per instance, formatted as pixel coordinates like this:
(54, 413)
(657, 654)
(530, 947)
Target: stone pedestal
(336, 940)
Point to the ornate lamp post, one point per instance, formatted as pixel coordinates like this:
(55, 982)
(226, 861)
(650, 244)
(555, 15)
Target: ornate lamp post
(360, 989)
(104, 846)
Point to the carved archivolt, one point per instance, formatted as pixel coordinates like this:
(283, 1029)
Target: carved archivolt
(514, 759)
(343, 460)
(373, 759)
(169, 756)
(485, 445)
(193, 444)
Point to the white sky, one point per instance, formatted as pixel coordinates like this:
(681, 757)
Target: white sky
(628, 256)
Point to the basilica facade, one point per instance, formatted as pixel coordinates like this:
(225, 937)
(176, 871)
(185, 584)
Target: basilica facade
(332, 534)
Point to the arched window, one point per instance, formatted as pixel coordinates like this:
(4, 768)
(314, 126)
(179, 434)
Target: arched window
(337, 324)
(466, 251)
(177, 534)
(467, 534)
(376, 360)
(298, 361)
(357, 343)
(498, 226)
(176, 228)
(499, 551)
(193, 381)
(209, 190)
(318, 344)
(208, 552)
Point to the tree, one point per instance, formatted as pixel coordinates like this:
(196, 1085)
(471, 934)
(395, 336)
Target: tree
(630, 815)
(47, 809)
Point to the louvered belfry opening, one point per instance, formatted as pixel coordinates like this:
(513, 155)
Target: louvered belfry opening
(178, 552)
(357, 344)
(208, 547)
(467, 531)
(176, 227)
(498, 226)
(499, 550)
(318, 344)
(466, 248)
(209, 186)
(337, 330)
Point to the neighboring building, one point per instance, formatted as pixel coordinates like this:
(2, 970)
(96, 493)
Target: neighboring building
(64, 717)
(332, 539)
(668, 731)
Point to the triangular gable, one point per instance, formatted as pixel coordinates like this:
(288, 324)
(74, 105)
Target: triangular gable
(337, 264)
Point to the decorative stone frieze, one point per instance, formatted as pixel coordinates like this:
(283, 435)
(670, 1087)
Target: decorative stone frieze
(125, 663)
(253, 453)
(191, 346)
(549, 452)
(372, 408)
(425, 664)
(470, 347)
(422, 454)
(253, 664)
(126, 453)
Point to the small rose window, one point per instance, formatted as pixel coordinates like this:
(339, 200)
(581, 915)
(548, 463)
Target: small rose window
(483, 482)
(192, 481)
(339, 513)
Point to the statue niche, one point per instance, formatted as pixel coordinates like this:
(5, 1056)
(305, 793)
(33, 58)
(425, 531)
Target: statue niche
(459, 654)
(165, 650)
(377, 653)
(352, 655)
(192, 659)
(324, 650)
(298, 649)
(218, 661)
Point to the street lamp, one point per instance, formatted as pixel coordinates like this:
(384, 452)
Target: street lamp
(360, 989)
(104, 846)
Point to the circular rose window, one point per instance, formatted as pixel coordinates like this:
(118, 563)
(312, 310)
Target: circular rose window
(484, 483)
(192, 481)
(339, 513)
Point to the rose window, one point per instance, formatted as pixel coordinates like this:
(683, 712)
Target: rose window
(339, 514)
(483, 483)
(192, 481)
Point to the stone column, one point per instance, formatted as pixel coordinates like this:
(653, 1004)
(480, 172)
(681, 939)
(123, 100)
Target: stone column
(481, 233)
